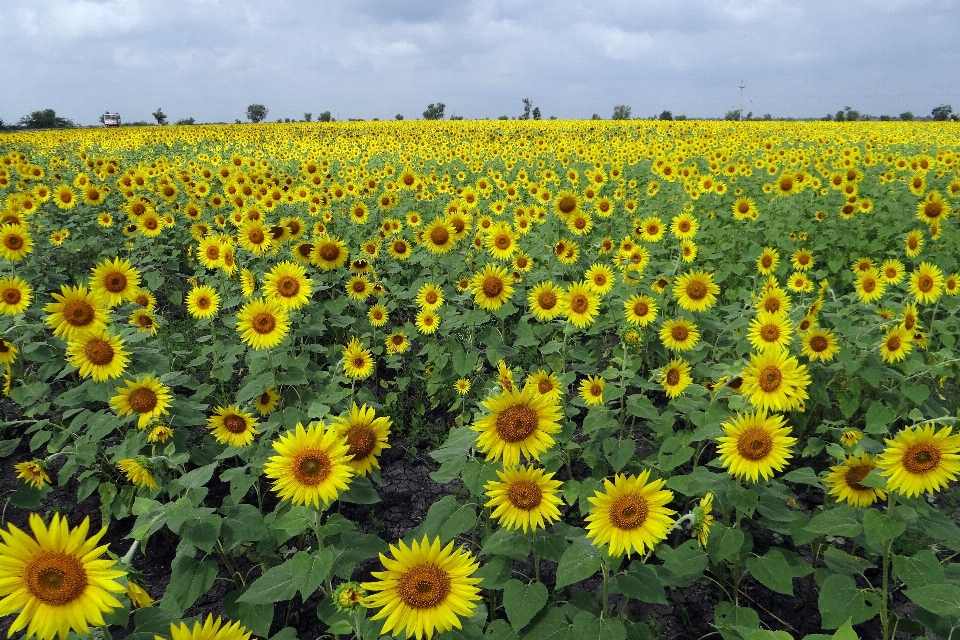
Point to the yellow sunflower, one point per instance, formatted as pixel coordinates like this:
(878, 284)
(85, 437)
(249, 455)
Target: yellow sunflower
(396, 343)
(145, 396)
(15, 242)
(430, 296)
(580, 304)
(679, 335)
(544, 299)
(820, 344)
(524, 498)
(438, 236)
(267, 401)
(98, 354)
(599, 278)
(210, 252)
(591, 390)
(844, 482)
(366, 436)
(684, 226)
(15, 295)
(311, 465)
(33, 472)
(210, 630)
(501, 241)
(913, 243)
(695, 291)
(630, 514)
(74, 311)
(424, 589)
(329, 252)
(545, 383)
(137, 473)
(920, 460)
(57, 581)
(870, 286)
(896, 344)
(675, 377)
(926, 283)
(770, 330)
(754, 445)
(519, 422)
(378, 315)
(640, 310)
(232, 427)
(491, 287)
(357, 361)
(358, 287)
(427, 321)
(203, 302)
(8, 353)
(288, 285)
(262, 324)
(775, 380)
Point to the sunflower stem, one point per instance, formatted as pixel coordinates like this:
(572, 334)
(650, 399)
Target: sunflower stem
(128, 556)
(606, 586)
(885, 587)
(536, 557)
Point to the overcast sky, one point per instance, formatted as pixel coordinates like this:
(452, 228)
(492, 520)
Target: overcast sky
(209, 59)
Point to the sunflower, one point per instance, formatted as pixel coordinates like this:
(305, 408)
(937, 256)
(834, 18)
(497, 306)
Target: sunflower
(767, 261)
(427, 321)
(311, 465)
(755, 444)
(357, 361)
(33, 472)
(8, 353)
(914, 243)
(892, 271)
(57, 580)
(211, 630)
(703, 519)
(267, 401)
(800, 282)
(544, 299)
(769, 330)
(745, 208)
(774, 300)
(329, 252)
(640, 310)
(519, 422)
(844, 482)
(926, 283)
(909, 317)
(97, 354)
(366, 435)
(424, 589)
(630, 514)
(870, 286)
(150, 224)
(775, 380)
(288, 285)
(144, 321)
(684, 226)
(491, 288)
(695, 291)
(160, 433)
(232, 427)
(580, 304)
(546, 384)
(501, 241)
(255, 237)
(64, 197)
(430, 296)
(248, 283)
(15, 295)
(599, 278)
(675, 377)
(74, 311)
(210, 252)
(378, 315)
(896, 344)
(15, 242)
(137, 473)
(679, 335)
(932, 208)
(525, 497)
(144, 298)
(145, 396)
(919, 460)
(819, 344)
(262, 324)
(396, 343)
(203, 302)
(438, 236)
(566, 204)
(462, 386)
(399, 248)
(591, 390)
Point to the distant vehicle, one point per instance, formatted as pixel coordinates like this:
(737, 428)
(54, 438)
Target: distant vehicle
(110, 119)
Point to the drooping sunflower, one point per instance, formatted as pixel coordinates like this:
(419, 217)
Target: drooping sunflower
(580, 304)
(774, 380)
(819, 344)
(675, 377)
(525, 498)
(8, 353)
(262, 324)
(98, 354)
(519, 422)
(56, 581)
(926, 283)
(74, 311)
(679, 334)
(920, 460)
(203, 302)
(366, 436)
(770, 330)
(137, 473)
(896, 344)
(491, 287)
(231, 426)
(844, 482)
(544, 299)
(695, 291)
(640, 310)
(424, 589)
(311, 465)
(630, 514)
(754, 445)
(15, 242)
(15, 295)
(287, 284)
(357, 361)
(33, 472)
(210, 630)
(145, 396)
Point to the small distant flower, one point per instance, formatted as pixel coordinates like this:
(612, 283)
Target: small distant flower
(33, 472)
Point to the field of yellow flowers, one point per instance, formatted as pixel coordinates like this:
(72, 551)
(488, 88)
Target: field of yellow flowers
(639, 359)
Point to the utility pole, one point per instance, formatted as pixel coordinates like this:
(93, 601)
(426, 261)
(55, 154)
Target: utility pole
(741, 100)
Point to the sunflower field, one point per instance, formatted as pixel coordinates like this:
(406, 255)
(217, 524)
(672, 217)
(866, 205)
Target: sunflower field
(640, 379)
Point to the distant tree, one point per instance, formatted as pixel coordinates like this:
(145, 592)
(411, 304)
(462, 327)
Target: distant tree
(324, 117)
(186, 121)
(748, 116)
(160, 116)
(503, 118)
(536, 113)
(621, 112)
(307, 116)
(767, 116)
(399, 116)
(45, 119)
(847, 115)
(456, 117)
(885, 118)
(828, 117)
(942, 112)
(732, 115)
(666, 115)
(596, 116)
(553, 117)
(237, 121)
(434, 111)
(256, 113)
(527, 107)
(680, 117)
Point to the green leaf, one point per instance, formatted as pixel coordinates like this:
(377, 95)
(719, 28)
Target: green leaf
(618, 452)
(495, 572)
(941, 599)
(726, 615)
(840, 600)
(842, 562)
(553, 626)
(772, 571)
(762, 634)
(579, 562)
(641, 583)
(202, 532)
(743, 498)
(881, 527)
(242, 523)
(587, 625)
(803, 475)
(256, 618)
(838, 521)
(308, 570)
(597, 418)
(8, 446)
(500, 630)
(194, 479)
(686, 562)
(916, 392)
(846, 632)
(879, 418)
(507, 542)
(189, 579)
(723, 543)
(360, 491)
(922, 569)
(274, 585)
(151, 621)
(523, 601)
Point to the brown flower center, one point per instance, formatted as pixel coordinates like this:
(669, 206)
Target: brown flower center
(770, 333)
(98, 352)
(770, 378)
(288, 286)
(696, 290)
(754, 444)
(766, 261)
(673, 377)
(855, 475)
(516, 423)
(579, 303)
(439, 236)
(545, 386)
(771, 304)
(679, 333)
(305, 249)
(525, 495)
(431, 297)
(256, 236)
(921, 458)
(143, 400)
(361, 440)
(13, 241)
(424, 586)
(567, 204)
(933, 209)
(79, 313)
(235, 423)
(818, 344)
(55, 578)
(264, 323)
(330, 252)
(925, 283)
(213, 252)
(547, 300)
(893, 343)
(629, 512)
(311, 467)
(869, 285)
(12, 296)
(492, 286)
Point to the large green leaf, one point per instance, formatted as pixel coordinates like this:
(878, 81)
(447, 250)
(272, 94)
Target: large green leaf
(274, 585)
(838, 521)
(941, 599)
(841, 600)
(189, 579)
(772, 571)
(579, 562)
(641, 583)
(523, 601)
